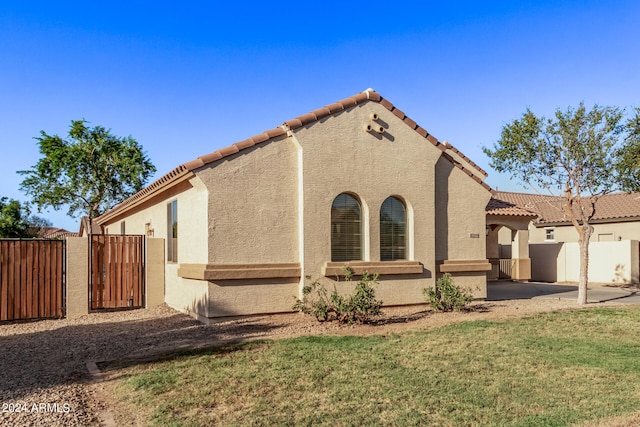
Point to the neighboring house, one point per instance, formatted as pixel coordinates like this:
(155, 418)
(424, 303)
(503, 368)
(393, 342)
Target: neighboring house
(354, 183)
(508, 228)
(553, 239)
(87, 227)
(55, 233)
(617, 217)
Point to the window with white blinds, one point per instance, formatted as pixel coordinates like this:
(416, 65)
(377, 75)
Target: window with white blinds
(393, 230)
(346, 229)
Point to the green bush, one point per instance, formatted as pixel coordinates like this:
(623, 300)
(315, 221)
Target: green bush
(446, 295)
(359, 307)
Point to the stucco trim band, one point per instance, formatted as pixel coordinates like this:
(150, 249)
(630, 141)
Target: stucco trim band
(464, 265)
(333, 269)
(239, 271)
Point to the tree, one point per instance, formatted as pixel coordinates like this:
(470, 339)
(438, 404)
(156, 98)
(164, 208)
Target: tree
(580, 155)
(90, 172)
(15, 221)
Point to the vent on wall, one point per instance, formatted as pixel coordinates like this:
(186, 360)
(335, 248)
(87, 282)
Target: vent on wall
(374, 127)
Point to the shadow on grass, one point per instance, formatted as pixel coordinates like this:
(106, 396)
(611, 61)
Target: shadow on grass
(36, 359)
(391, 320)
(205, 349)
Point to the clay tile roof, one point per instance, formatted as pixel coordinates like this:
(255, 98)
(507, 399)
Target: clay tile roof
(334, 108)
(618, 206)
(463, 169)
(610, 207)
(307, 118)
(55, 233)
(412, 124)
(500, 207)
(186, 169)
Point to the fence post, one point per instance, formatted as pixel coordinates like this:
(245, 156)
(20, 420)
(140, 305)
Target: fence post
(154, 281)
(77, 276)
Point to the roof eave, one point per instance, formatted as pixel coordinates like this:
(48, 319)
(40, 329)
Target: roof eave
(173, 178)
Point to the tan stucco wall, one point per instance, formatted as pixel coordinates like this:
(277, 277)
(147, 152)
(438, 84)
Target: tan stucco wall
(257, 296)
(186, 295)
(460, 223)
(460, 215)
(253, 205)
(192, 220)
(77, 276)
(154, 280)
(272, 204)
(192, 236)
(339, 156)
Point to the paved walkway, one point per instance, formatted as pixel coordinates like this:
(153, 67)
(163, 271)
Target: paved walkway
(503, 290)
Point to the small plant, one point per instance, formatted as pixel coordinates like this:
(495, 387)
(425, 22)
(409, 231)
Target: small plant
(446, 295)
(358, 307)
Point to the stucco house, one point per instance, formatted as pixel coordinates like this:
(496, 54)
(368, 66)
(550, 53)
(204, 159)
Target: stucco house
(356, 182)
(541, 223)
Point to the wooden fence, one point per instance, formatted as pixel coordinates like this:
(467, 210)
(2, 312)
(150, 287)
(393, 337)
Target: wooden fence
(32, 279)
(117, 271)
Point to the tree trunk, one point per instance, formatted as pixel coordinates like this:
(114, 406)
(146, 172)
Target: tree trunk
(583, 241)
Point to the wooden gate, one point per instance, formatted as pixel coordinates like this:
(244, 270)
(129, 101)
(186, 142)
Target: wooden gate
(116, 272)
(32, 279)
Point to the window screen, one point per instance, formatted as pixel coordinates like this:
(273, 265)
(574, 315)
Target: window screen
(393, 230)
(346, 229)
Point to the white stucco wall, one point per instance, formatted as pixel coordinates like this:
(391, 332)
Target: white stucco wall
(609, 262)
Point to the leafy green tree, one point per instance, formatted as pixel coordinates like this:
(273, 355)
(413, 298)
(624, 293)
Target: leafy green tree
(580, 155)
(90, 172)
(15, 221)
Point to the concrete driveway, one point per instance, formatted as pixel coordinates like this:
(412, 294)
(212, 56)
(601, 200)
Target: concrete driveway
(503, 290)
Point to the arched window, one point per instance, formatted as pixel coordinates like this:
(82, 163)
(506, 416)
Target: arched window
(346, 229)
(393, 230)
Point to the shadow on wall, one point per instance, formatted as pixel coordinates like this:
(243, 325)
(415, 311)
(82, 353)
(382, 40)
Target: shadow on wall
(226, 298)
(443, 171)
(544, 261)
(619, 274)
(202, 310)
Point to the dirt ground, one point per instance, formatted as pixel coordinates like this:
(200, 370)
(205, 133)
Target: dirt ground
(45, 362)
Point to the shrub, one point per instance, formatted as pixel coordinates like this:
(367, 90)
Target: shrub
(446, 295)
(358, 307)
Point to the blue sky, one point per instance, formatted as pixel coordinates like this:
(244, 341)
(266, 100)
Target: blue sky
(187, 78)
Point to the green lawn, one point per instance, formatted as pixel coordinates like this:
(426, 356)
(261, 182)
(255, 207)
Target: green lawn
(553, 369)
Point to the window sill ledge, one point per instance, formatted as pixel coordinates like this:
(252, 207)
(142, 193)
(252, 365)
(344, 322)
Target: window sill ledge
(333, 269)
(239, 271)
(464, 265)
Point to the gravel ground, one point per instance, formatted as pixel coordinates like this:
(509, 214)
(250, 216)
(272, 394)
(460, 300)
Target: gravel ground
(45, 380)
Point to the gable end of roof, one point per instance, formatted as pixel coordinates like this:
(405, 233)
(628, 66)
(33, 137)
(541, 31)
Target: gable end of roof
(187, 168)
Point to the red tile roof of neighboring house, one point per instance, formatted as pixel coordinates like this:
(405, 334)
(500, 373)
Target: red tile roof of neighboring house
(500, 207)
(184, 171)
(84, 226)
(55, 233)
(610, 207)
